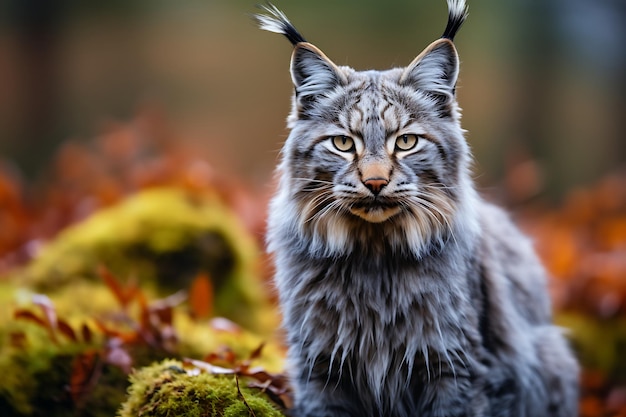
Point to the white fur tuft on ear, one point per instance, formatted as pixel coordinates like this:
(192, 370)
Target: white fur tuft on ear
(435, 70)
(312, 72)
(277, 22)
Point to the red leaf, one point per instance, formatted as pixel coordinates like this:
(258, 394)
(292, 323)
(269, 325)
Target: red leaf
(201, 297)
(29, 315)
(256, 353)
(261, 375)
(86, 333)
(161, 316)
(66, 330)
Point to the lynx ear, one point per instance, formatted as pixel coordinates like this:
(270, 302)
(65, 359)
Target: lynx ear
(313, 74)
(434, 71)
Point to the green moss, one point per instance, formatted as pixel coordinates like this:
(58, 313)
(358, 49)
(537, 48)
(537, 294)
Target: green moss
(164, 237)
(34, 376)
(166, 389)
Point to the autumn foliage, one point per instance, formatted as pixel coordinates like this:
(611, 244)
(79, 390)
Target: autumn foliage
(582, 242)
(86, 176)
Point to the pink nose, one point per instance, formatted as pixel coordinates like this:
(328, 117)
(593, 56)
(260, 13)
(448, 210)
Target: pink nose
(376, 184)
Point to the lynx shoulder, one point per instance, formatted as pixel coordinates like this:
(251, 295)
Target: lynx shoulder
(403, 292)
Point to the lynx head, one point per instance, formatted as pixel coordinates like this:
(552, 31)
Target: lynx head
(374, 158)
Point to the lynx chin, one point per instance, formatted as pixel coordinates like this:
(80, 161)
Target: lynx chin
(403, 292)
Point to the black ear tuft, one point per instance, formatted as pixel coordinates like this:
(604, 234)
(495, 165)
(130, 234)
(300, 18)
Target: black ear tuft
(276, 21)
(457, 13)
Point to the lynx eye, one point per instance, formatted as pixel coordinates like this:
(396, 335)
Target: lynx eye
(406, 142)
(343, 143)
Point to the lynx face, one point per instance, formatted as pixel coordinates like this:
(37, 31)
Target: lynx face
(379, 158)
(375, 147)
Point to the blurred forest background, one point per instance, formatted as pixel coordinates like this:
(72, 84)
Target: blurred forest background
(100, 101)
(541, 79)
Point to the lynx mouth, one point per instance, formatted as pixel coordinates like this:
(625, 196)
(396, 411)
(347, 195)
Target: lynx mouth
(376, 212)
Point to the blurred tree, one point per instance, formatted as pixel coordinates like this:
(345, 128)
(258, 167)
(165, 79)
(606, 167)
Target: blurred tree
(543, 74)
(570, 97)
(36, 25)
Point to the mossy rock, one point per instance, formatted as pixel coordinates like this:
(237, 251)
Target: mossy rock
(35, 372)
(164, 237)
(166, 389)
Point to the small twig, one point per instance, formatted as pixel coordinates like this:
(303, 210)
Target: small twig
(242, 397)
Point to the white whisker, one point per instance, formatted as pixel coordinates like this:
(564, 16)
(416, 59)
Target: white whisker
(311, 180)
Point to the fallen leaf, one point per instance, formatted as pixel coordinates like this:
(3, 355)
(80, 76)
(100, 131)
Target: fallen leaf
(201, 297)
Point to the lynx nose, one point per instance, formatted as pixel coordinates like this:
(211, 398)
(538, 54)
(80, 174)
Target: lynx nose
(375, 184)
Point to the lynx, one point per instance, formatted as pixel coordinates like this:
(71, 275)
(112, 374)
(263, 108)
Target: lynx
(403, 292)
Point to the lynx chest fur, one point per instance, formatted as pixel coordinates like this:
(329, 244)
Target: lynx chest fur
(403, 292)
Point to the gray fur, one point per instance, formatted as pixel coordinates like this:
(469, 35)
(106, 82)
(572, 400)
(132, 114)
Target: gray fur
(418, 298)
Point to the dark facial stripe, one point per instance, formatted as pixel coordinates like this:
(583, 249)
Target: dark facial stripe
(440, 148)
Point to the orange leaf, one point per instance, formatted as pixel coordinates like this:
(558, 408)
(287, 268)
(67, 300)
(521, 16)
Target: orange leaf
(144, 313)
(201, 297)
(126, 337)
(123, 294)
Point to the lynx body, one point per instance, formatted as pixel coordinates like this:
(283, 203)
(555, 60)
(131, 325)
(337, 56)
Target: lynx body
(403, 292)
